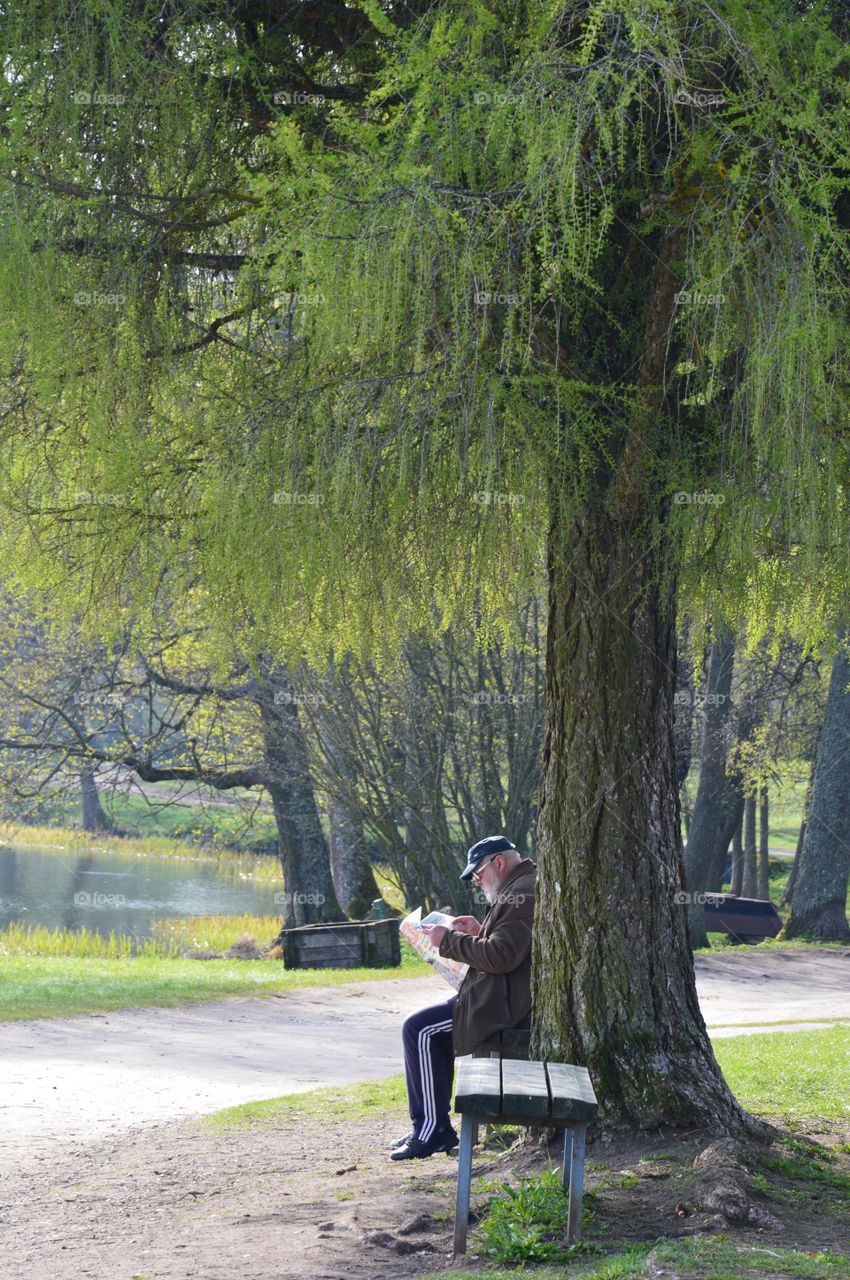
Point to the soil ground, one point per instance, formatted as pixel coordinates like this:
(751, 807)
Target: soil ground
(320, 1201)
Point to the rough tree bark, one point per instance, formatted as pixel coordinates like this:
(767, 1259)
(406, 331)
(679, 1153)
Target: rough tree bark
(613, 976)
(818, 907)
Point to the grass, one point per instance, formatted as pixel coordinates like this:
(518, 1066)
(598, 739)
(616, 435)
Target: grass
(706, 1258)
(159, 815)
(173, 936)
(60, 986)
(792, 1075)
(345, 1102)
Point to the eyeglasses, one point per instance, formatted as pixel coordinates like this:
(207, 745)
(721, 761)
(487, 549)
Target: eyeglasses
(477, 872)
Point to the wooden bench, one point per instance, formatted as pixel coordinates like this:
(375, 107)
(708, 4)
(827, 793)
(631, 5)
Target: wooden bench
(540, 1094)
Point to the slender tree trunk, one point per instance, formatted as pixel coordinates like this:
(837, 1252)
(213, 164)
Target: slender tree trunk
(716, 806)
(748, 888)
(94, 819)
(354, 881)
(788, 892)
(764, 846)
(819, 905)
(612, 968)
(737, 859)
(309, 895)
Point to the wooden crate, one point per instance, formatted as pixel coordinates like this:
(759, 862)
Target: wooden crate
(368, 943)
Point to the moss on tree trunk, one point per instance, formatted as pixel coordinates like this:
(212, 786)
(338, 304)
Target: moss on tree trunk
(613, 974)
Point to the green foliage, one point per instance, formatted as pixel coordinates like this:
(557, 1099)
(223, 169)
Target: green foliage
(524, 1223)
(340, 322)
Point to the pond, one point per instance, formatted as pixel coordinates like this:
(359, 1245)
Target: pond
(103, 891)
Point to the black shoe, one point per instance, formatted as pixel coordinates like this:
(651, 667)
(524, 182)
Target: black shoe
(401, 1142)
(445, 1140)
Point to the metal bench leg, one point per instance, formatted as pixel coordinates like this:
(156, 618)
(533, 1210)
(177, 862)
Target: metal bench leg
(566, 1168)
(576, 1179)
(468, 1134)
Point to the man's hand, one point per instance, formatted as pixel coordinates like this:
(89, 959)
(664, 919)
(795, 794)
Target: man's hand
(435, 932)
(467, 924)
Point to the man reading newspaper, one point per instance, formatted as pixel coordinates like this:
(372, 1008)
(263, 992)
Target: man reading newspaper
(495, 993)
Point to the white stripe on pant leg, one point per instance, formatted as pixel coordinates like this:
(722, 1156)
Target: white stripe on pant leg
(426, 1077)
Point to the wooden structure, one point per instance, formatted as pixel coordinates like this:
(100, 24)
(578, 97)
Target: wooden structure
(744, 919)
(371, 943)
(503, 1090)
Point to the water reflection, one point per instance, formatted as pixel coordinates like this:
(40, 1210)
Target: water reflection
(105, 892)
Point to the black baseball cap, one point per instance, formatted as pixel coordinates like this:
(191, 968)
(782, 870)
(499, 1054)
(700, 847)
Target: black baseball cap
(483, 849)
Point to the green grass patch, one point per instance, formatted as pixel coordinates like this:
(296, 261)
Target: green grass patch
(59, 986)
(706, 1258)
(337, 1102)
(525, 1223)
(790, 1074)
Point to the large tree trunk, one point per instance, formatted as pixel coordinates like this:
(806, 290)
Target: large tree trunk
(820, 890)
(613, 970)
(309, 895)
(94, 819)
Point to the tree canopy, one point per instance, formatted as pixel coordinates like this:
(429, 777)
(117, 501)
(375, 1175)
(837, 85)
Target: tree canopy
(316, 303)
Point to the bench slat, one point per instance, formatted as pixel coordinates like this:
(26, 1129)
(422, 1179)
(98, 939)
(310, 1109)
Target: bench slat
(479, 1087)
(571, 1091)
(524, 1089)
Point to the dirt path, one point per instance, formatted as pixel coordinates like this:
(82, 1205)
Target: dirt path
(87, 1077)
(319, 1200)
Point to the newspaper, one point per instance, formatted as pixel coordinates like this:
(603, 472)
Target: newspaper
(452, 971)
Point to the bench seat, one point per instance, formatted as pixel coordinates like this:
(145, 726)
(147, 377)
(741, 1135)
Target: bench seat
(503, 1090)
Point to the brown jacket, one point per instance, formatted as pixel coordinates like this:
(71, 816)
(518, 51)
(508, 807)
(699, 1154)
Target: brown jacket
(496, 992)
